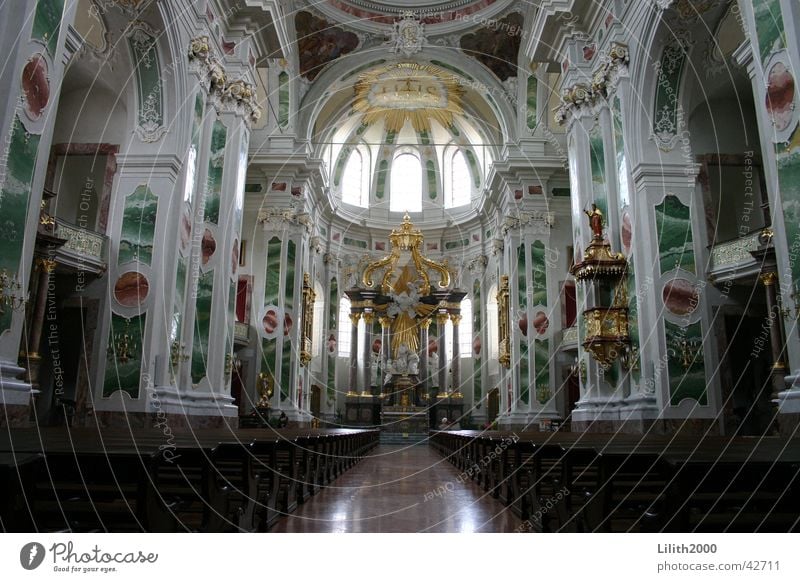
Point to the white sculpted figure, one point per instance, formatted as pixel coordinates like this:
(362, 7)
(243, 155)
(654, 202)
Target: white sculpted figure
(433, 368)
(404, 303)
(413, 364)
(400, 363)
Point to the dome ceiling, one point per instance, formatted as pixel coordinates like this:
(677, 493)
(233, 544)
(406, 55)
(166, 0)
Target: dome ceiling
(384, 12)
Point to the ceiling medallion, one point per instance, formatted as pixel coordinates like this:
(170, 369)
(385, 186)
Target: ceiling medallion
(408, 35)
(408, 91)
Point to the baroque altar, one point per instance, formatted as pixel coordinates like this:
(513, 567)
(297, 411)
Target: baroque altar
(401, 298)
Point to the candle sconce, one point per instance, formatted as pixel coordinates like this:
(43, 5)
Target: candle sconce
(123, 347)
(630, 359)
(543, 393)
(265, 389)
(11, 295)
(688, 353)
(177, 353)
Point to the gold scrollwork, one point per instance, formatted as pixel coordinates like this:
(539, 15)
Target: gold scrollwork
(503, 322)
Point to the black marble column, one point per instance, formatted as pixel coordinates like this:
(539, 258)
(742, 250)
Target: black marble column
(352, 389)
(441, 320)
(369, 317)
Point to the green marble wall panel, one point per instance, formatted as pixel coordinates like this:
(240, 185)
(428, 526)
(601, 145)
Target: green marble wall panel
(383, 170)
(532, 114)
(138, 226)
(541, 358)
(687, 378)
(477, 340)
(47, 23)
(675, 242)
(273, 273)
(633, 316)
(284, 101)
(286, 369)
(524, 371)
(521, 322)
(124, 376)
(338, 171)
(769, 27)
(202, 325)
(665, 114)
(431, 173)
(621, 160)
(269, 350)
(291, 257)
(473, 166)
(179, 299)
(22, 149)
(216, 162)
(788, 162)
(288, 347)
(150, 112)
(456, 244)
(333, 303)
(539, 273)
(353, 242)
(194, 151)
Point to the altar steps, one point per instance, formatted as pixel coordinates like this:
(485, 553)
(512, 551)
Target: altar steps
(401, 438)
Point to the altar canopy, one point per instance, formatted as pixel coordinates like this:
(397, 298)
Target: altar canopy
(407, 292)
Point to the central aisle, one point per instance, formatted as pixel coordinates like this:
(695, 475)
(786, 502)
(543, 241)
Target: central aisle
(386, 493)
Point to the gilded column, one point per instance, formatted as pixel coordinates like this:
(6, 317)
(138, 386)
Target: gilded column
(779, 367)
(45, 267)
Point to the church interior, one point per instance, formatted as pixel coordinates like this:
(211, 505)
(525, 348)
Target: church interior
(370, 266)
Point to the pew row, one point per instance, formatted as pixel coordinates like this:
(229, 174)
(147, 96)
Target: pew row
(81, 480)
(581, 482)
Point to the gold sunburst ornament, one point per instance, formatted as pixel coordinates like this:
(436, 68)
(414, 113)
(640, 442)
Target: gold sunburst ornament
(408, 91)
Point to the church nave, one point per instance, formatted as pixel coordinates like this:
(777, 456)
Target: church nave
(392, 491)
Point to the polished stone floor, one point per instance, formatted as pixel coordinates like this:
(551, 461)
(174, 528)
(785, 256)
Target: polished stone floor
(392, 491)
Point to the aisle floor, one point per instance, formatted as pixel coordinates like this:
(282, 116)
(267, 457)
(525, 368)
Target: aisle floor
(392, 491)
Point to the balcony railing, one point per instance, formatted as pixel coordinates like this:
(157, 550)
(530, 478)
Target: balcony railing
(84, 249)
(732, 259)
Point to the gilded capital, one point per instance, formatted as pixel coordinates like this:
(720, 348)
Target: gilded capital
(354, 317)
(768, 279)
(455, 318)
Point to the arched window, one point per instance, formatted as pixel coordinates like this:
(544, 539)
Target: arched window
(464, 333)
(344, 328)
(355, 181)
(346, 333)
(494, 330)
(457, 179)
(406, 187)
(319, 312)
